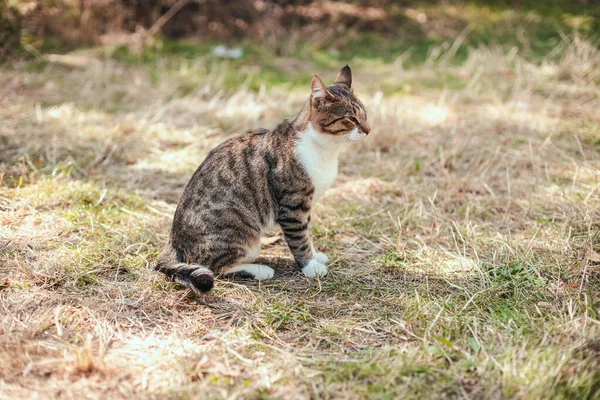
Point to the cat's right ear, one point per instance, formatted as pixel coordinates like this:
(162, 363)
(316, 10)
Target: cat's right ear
(344, 76)
(318, 88)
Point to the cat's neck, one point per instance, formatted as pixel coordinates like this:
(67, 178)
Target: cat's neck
(302, 119)
(327, 147)
(319, 157)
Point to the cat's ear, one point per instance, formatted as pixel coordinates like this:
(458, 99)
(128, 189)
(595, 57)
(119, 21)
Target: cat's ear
(344, 76)
(318, 88)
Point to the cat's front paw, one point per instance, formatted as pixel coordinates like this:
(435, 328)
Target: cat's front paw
(320, 257)
(314, 268)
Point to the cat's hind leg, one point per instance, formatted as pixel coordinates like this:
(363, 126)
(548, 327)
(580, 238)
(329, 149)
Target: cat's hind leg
(252, 253)
(251, 271)
(243, 267)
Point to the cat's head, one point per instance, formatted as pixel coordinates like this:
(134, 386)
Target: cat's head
(335, 112)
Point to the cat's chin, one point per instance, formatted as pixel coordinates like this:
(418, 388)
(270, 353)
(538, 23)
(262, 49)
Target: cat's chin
(355, 137)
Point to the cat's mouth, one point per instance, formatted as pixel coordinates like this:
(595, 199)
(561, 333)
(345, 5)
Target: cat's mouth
(356, 135)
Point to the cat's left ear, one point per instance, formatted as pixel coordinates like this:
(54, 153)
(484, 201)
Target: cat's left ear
(318, 88)
(344, 76)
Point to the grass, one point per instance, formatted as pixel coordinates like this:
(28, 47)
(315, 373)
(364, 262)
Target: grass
(406, 35)
(463, 233)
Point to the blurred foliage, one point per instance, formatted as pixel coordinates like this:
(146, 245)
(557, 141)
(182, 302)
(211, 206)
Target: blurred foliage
(10, 31)
(324, 32)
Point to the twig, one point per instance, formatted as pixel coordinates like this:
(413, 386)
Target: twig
(166, 17)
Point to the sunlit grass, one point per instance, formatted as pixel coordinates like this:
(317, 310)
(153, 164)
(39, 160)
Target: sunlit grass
(463, 233)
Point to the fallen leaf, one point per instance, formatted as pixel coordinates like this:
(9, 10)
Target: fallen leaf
(544, 304)
(347, 238)
(124, 301)
(593, 256)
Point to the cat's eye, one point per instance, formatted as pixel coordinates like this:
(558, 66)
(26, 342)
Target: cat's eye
(353, 120)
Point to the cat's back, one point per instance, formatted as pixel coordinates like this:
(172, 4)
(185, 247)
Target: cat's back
(234, 174)
(232, 149)
(233, 160)
(251, 151)
(248, 172)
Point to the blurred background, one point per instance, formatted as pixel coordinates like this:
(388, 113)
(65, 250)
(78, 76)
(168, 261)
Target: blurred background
(274, 40)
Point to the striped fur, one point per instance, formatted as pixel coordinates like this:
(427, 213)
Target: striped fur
(248, 182)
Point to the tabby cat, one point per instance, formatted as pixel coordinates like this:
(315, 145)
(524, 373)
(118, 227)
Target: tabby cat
(250, 182)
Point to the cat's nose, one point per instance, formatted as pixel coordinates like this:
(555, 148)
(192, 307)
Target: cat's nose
(365, 127)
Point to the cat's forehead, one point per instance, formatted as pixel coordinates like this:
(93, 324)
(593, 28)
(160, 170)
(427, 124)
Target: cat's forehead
(345, 99)
(341, 91)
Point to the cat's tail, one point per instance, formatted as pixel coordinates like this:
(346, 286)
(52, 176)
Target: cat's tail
(193, 276)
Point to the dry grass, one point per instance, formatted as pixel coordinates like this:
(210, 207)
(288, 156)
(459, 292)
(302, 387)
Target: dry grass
(464, 234)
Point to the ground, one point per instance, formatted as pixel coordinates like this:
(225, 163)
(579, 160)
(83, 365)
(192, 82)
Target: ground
(463, 233)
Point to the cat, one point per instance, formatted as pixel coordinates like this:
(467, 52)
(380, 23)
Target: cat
(250, 182)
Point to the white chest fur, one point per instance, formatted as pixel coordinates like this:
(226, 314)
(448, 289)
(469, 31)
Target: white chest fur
(318, 154)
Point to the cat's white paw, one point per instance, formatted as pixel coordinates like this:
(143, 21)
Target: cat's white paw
(320, 257)
(257, 271)
(314, 268)
(262, 272)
